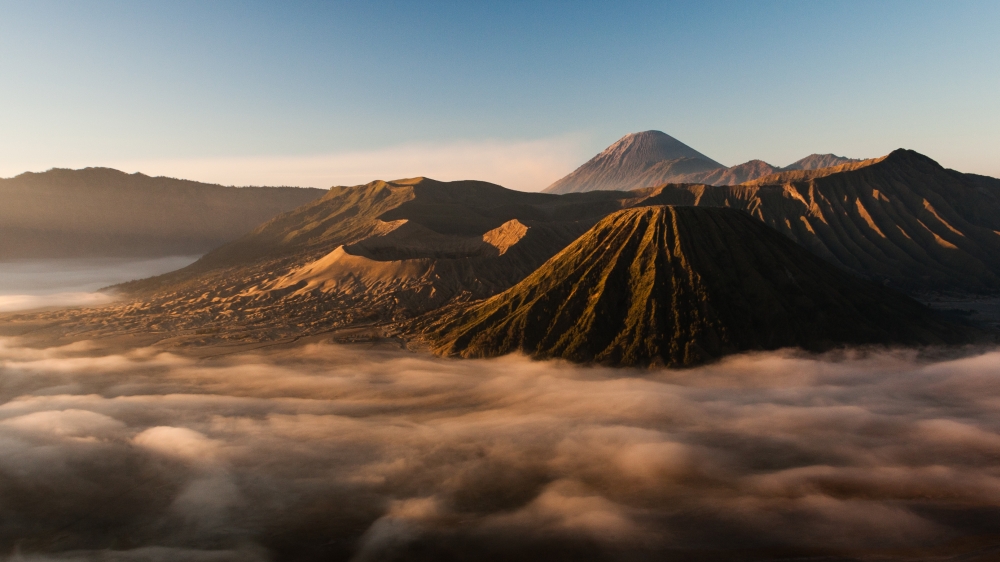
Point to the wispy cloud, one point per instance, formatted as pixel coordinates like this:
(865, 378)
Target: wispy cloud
(524, 165)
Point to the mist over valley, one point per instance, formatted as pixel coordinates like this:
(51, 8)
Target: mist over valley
(39, 283)
(367, 452)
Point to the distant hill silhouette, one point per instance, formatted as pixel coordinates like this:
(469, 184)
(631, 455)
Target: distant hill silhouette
(817, 161)
(104, 212)
(678, 286)
(731, 176)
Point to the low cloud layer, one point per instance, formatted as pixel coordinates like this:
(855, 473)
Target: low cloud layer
(27, 284)
(371, 453)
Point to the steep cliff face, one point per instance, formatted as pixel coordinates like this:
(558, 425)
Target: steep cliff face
(679, 286)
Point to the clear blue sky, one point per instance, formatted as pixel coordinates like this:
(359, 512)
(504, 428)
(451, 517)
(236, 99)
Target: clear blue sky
(225, 83)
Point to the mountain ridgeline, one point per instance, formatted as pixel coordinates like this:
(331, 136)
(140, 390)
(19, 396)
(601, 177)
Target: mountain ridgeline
(653, 158)
(902, 220)
(678, 286)
(809, 257)
(97, 212)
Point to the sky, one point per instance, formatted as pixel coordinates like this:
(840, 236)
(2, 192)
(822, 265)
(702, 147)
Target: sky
(519, 93)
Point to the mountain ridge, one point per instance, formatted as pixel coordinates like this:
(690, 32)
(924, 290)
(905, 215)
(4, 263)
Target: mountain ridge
(817, 161)
(96, 212)
(619, 167)
(678, 286)
(370, 258)
(901, 219)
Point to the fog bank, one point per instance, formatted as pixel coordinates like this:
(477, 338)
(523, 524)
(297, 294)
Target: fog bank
(370, 453)
(27, 284)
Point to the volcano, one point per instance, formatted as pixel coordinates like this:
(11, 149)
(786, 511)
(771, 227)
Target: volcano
(636, 160)
(678, 286)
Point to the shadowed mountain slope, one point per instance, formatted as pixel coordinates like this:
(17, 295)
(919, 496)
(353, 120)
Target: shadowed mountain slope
(902, 220)
(679, 286)
(785, 175)
(434, 212)
(370, 254)
(384, 252)
(104, 212)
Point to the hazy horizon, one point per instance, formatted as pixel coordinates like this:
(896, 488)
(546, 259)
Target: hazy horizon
(517, 166)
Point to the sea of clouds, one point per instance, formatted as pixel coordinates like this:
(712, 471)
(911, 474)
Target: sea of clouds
(360, 452)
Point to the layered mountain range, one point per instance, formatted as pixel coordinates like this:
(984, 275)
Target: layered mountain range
(677, 286)
(653, 158)
(673, 274)
(96, 212)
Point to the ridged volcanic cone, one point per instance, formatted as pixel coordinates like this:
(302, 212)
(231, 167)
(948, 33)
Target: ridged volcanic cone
(678, 286)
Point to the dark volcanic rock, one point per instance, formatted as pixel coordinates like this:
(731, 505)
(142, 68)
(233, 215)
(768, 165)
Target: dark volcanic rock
(678, 286)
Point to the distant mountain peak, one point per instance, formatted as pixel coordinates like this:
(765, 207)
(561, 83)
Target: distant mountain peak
(634, 161)
(650, 147)
(819, 161)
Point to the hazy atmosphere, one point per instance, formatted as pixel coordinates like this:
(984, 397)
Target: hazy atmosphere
(27, 284)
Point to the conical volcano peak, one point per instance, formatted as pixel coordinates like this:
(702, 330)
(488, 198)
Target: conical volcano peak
(636, 160)
(649, 147)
